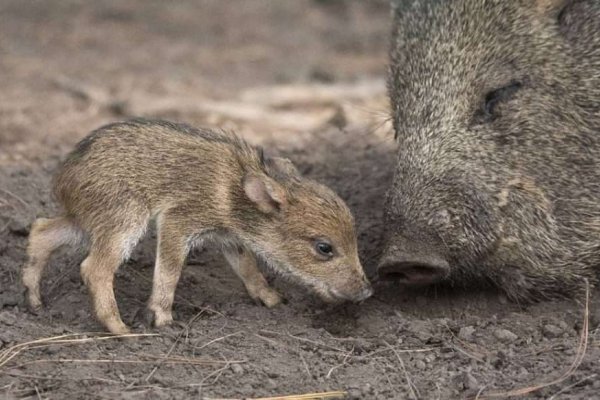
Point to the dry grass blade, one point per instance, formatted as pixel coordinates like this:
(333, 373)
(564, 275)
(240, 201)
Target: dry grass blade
(579, 355)
(186, 361)
(567, 388)
(305, 340)
(412, 389)
(216, 340)
(344, 361)
(14, 196)
(74, 338)
(179, 336)
(308, 396)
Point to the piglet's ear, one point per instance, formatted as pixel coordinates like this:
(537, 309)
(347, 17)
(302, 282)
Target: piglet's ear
(265, 192)
(284, 165)
(551, 7)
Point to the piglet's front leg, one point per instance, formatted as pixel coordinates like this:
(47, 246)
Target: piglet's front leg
(244, 264)
(171, 253)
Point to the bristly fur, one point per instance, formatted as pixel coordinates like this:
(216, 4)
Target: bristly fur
(200, 185)
(496, 107)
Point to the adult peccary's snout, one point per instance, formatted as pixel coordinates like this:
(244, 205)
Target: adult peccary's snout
(412, 263)
(496, 110)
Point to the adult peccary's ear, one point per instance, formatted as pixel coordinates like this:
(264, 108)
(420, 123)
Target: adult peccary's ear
(264, 192)
(283, 166)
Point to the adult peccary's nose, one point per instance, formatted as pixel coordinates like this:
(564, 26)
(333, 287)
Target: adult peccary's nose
(412, 263)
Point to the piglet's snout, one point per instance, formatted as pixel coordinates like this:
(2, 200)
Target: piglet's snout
(364, 294)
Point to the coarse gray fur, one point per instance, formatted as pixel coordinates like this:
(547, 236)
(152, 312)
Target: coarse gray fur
(496, 109)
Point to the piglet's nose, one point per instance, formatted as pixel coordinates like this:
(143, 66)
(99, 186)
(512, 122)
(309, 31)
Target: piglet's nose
(413, 267)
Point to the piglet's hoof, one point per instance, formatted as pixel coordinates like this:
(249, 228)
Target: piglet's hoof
(27, 302)
(270, 298)
(158, 320)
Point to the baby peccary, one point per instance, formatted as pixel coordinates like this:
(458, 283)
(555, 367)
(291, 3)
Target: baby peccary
(199, 185)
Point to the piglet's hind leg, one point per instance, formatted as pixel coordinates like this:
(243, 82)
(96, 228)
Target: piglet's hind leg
(46, 236)
(97, 272)
(108, 251)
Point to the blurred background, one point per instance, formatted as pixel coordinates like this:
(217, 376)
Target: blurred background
(267, 69)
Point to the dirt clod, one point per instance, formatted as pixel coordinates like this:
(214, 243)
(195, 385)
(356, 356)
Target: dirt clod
(551, 331)
(7, 318)
(237, 369)
(504, 335)
(469, 382)
(466, 333)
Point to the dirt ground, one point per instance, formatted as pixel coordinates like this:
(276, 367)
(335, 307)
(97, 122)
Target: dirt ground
(304, 78)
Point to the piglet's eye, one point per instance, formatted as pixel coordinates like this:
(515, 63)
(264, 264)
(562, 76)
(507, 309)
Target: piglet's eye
(324, 249)
(495, 97)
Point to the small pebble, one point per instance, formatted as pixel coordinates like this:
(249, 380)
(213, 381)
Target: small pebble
(272, 384)
(51, 350)
(7, 318)
(420, 329)
(563, 325)
(19, 225)
(420, 364)
(237, 369)
(9, 299)
(355, 394)
(81, 314)
(390, 338)
(466, 333)
(551, 331)
(504, 335)
(272, 374)
(469, 381)
(523, 372)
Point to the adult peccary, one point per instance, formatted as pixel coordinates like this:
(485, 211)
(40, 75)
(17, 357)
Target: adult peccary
(496, 109)
(200, 185)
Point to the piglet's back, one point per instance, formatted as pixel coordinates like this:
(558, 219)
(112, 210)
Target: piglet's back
(151, 162)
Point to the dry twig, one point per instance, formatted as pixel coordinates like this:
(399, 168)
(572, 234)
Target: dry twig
(166, 357)
(307, 396)
(412, 389)
(10, 353)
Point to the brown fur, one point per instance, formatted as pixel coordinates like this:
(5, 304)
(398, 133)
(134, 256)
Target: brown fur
(199, 185)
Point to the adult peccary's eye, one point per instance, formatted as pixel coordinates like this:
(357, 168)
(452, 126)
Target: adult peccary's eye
(493, 98)
(324, 249)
